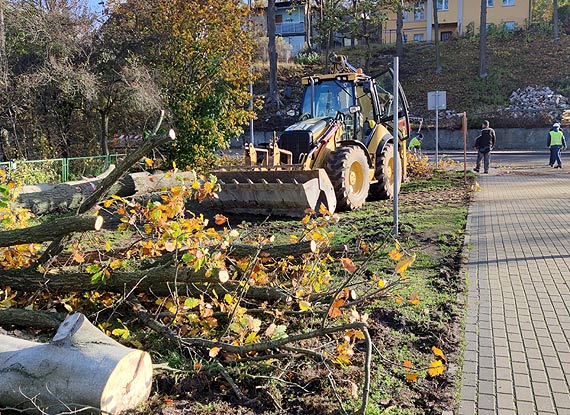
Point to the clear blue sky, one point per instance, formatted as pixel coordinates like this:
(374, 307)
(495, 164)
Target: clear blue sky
(94, 5)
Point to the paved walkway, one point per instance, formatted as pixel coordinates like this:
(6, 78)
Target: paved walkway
(517, 357)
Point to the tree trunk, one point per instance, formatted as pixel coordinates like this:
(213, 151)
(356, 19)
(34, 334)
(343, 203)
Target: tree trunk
(30, 318)
(307, 20)
(555, 20)
(48, 231)
(161, 281)
(80, 367)
(104, 133)
(483, 41)
(273, 97)
(438, 68)
(45, 198)
(3, 56)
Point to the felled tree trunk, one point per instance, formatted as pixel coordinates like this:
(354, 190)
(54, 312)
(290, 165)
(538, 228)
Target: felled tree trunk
(49, 231)
(80, 367)
(47, 198)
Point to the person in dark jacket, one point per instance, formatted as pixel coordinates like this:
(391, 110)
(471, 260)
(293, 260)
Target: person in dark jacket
(484, 144)
(556, 142)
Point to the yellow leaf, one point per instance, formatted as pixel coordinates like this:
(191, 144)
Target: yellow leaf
(404, 264)
(116, 263)
(439, 353)
(381, 283)
(107, 246)
(148, 161)
(407, 364)
(395, 255)
(214, 351)
(305, 220)
(436, 368)
(304, 305)
(348, 265)
(108, 203)
(412, 377)
(414, 298)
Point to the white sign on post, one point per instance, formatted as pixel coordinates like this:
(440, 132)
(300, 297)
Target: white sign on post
(437, 96)
(437, 100)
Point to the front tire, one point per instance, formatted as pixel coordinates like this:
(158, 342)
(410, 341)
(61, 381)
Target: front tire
(384, 173)
(347, 169)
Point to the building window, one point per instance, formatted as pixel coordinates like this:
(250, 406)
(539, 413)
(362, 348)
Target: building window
(419, 12)
(510, 26)
(508, 2)
(444, 4)
(490, 3)
(406, 16)
(445, 35)
(419, 37)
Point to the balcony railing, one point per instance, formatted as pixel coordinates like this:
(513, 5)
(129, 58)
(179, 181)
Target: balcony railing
(289, 28)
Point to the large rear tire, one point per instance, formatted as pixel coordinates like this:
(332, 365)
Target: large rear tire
(384, 188)
(347, 168)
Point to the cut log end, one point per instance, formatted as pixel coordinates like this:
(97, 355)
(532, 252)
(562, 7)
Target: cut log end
(98, 223)
(130, 383)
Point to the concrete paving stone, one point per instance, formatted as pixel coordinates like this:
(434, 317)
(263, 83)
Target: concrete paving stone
(470, 367)
(486, 401)
(559, 338)
(540, 389)
(550, 361)
(505, 401)
(538, 375)
(502, 350)
(555, 373)
(470, 356)
(524, 408)
(485, 333)
(523, 393)
(486, 362)
(483, 411)
(503, 362)
(515, 345)
(520, 367)
(544, 404)
(486, 387)
(564, 358)
(486, 348)
(518, 357)
(558, 385)
(562, 402)
(504, 386)
(469, 379)
(536, 364)
(562, 347)
(486, 374)
(468, 392)
(548, 351)
(503, 373)
(467, 407)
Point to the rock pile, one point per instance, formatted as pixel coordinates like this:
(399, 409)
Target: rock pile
(534, 98)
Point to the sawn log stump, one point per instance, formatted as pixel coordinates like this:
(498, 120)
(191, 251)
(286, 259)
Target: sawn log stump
(80, 367)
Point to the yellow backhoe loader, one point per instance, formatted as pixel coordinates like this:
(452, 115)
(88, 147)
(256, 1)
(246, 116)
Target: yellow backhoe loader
(339, 153)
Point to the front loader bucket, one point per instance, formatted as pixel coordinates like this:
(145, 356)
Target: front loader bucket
(276, 192)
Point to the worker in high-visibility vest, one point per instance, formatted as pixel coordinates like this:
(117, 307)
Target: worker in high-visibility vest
(415, 143)
(556, 142)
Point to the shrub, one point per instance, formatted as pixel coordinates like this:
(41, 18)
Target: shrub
(308, 58)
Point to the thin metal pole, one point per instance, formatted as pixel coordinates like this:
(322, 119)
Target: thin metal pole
(395, 135)
(436, 129)
(464, 129)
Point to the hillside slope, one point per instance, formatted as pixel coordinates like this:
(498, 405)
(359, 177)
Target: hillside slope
(515, 61)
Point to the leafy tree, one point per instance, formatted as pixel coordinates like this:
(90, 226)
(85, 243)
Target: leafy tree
(204, 71)
(483, 41)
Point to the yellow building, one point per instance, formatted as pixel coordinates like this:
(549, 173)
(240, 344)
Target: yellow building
(455, 17)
